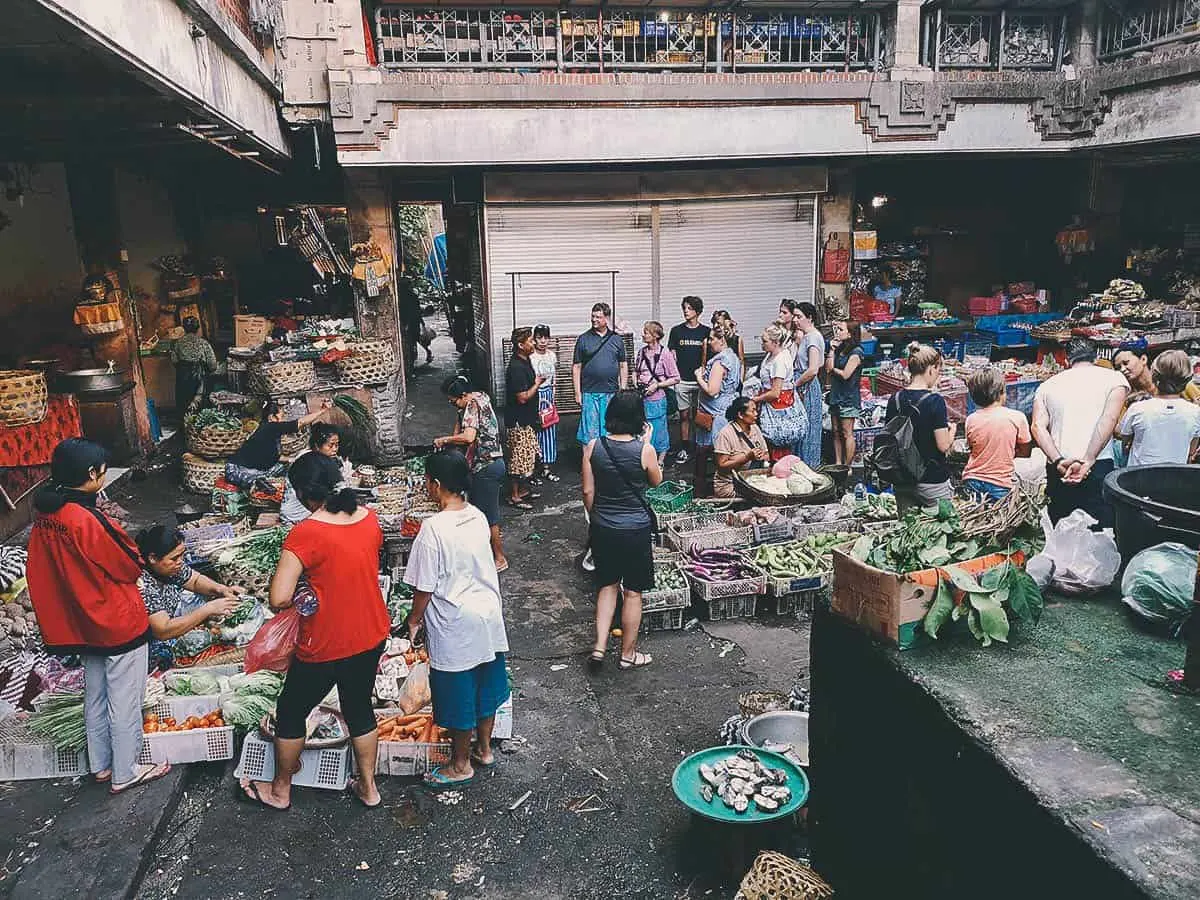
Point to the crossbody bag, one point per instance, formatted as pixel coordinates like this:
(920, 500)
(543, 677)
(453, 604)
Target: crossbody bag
(672, 399)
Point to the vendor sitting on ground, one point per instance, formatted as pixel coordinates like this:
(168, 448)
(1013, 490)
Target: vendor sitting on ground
(173, 591)
(326, 440)
(259, 456)
(1133, 361)
(739, 445)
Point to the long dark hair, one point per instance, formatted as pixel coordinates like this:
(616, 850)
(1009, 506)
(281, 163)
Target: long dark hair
(71, 465)
(318, 479)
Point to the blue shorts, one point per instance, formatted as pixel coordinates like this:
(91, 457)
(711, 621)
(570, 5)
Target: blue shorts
(986, 488)
(461, 700)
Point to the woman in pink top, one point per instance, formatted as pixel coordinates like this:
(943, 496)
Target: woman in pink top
(996, 436)
(655, 371)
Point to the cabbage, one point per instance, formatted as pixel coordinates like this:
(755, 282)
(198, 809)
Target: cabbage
(246, 710)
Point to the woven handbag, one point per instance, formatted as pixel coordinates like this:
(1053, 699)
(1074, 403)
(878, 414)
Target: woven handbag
(777, 877)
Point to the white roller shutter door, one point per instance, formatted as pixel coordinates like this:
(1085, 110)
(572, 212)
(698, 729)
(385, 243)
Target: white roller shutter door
(565, 238)
(741, 255)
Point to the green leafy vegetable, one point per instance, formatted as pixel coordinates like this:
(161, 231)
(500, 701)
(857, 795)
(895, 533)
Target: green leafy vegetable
(59, 719)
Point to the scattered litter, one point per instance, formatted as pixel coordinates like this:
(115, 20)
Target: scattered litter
(691, 625)
(726, 649)
(512, 744)
(600, 774)
(557, 668)
(450, 798)
(1099, 825)
(464, 872)
(520, 800)
(592, 803)
(439, 895)
(533, 538)
(362, 866)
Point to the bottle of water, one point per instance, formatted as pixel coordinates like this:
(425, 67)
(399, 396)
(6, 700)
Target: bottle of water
(304, 599)
(860, 492)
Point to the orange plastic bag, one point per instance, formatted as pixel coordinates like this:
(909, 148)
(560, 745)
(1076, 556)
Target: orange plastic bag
(274, 645)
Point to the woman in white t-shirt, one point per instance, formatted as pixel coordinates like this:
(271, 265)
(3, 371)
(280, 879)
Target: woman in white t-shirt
(1164, 429)
(545, 364)
(779, 418)
(456, 598)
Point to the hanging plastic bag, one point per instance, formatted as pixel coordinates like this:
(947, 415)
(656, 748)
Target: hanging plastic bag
(275, 643)
(1076, 560)
(1159, 583)
(415, 695)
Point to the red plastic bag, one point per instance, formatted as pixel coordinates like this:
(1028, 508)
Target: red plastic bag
(275, 643)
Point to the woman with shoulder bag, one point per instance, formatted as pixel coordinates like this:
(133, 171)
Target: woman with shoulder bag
(616, 472)
(545, 366)
(718, 380)
(656, 370)
(782, 420)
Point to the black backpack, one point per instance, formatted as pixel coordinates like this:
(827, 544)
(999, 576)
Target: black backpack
(895, 455)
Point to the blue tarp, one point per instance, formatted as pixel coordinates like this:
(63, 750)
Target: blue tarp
(435, 266)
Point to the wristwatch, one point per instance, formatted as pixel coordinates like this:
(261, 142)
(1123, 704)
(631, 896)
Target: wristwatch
(1057, 461)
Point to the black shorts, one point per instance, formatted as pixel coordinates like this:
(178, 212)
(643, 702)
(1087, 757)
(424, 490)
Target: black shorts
(308, 683)
(624, 555)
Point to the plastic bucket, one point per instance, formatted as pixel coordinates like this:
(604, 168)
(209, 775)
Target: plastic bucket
(1143, 515)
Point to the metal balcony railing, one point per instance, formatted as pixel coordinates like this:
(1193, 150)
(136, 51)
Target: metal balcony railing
(1142, 26)
(994, 39)
(615, 39)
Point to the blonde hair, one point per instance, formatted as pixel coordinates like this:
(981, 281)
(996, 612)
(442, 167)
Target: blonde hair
(775, 333)
(655, 328)
(1172, 372)
(922, 358)
(986, 386)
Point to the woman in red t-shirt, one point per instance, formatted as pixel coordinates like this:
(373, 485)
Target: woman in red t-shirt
(336, 551)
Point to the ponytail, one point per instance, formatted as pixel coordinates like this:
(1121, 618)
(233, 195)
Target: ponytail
(344, 500)
(73, 463)
(318, 479)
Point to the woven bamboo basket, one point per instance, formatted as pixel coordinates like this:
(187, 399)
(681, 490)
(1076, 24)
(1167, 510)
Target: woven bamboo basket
(23, 397)
(199, 474)
(755, 703)
(777, 877)
(367, 368)
(292, 445)
(256, 584)
(215, 443)
(294, 377)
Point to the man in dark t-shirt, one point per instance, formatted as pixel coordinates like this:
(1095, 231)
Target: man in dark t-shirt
(599, 369)
(260, 454)
(686, 341)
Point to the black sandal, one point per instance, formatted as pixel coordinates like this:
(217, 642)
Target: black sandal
(550, 476)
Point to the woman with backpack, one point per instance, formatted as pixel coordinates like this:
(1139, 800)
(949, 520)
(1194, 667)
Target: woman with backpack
(920, 478)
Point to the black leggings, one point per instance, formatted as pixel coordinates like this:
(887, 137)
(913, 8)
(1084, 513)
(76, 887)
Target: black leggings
(308, 683)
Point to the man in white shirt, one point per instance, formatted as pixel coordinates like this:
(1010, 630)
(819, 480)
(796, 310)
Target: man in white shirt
(1074, 416)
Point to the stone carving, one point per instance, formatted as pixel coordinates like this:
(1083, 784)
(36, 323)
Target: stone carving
(913, 97)
(906, 110)
(341, 103)
(1070, 109)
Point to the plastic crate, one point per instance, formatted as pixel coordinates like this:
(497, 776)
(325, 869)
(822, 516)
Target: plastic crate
(975, 343)
(1156, 337)
(772, 532)
(799, 602)
(781, 587)
(1181, 318)
(985, 306)
(716, 590)
(662, 620)
(197, 745)
(864, 440)
(671, 496)
(740, 606)
(670, 598)
(406, 759)
(25, 757)
(1018, 395)
(701, 533)
(870, 346)
(327, 768)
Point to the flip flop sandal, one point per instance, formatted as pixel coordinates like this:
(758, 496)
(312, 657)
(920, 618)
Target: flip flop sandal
(103, 777)
(595, 660)
(256, 798)
(532, 495)
(639, 661)
(355, 794)
(520, 504)
(550, 476)
(480, 764)
(151, 774)
(503, 568)
(435, 780)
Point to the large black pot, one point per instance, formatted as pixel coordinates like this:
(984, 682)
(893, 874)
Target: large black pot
(1154, 504)
(89, 381)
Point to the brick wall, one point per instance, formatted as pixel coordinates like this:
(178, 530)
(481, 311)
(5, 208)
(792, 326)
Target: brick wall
(239, 12)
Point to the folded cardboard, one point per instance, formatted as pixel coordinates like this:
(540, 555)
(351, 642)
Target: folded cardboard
(250, 331)
(890, 605)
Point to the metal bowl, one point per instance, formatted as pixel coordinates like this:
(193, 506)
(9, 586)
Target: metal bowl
(89, 381)
(779, 727)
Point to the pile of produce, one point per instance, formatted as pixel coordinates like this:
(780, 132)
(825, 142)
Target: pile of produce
(919, 541)
(1016, 518)
(59, 719)
(182, 683)
(415, 729)
(18, 624)
(718, 565)
(1122, 289)
(667, 577)
(872, 508)
(258, 551)
(245, 699)
(211, 417)
(741, 779)
(789, 477)
(358, 443)
(802, 558)
(399, 602)
(985, 603)
(152, 724)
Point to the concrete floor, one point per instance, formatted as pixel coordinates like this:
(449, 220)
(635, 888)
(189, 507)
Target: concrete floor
(603, 745)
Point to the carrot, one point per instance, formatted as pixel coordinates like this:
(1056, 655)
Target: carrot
(427, 734)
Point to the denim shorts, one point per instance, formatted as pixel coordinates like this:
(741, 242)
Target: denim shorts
(986, 488)
(845, 409)
(462, 699)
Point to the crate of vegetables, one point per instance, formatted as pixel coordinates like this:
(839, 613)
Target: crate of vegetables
(805, 563)
(671, 590)
(707, 532)
(715, 574)
(186, 730)
(410, 745)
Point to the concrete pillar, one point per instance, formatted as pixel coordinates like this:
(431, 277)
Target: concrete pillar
(1086, 33)
(906, 43)
(837, 217)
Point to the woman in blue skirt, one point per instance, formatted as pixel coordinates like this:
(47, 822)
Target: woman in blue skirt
(810, 356)
(545, 364)
(656, 371)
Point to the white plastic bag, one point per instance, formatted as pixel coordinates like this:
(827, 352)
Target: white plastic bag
(1076, 560)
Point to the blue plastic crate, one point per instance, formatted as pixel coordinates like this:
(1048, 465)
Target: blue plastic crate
(1018, 395)
(998, 323)
(1010, 337)
(870, 347)
(975, 343)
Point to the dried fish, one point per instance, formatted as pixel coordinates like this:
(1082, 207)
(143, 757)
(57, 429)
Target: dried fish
(741, 803)
(707, 793)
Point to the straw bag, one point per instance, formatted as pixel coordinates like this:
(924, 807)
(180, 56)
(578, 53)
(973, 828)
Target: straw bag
(23, 397)
(215, 443)
(777, 877)
(200, 475)
(294, 377)
(372, 362)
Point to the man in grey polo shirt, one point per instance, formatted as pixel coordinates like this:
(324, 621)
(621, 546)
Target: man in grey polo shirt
(599, 370)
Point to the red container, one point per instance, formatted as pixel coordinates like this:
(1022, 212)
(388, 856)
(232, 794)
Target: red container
(985, 306)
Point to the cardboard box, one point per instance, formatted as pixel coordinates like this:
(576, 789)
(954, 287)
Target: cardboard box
(503, 727)
(890, 605)
(250, 331)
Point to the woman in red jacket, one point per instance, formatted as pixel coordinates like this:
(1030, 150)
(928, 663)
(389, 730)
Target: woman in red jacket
(83, 580)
